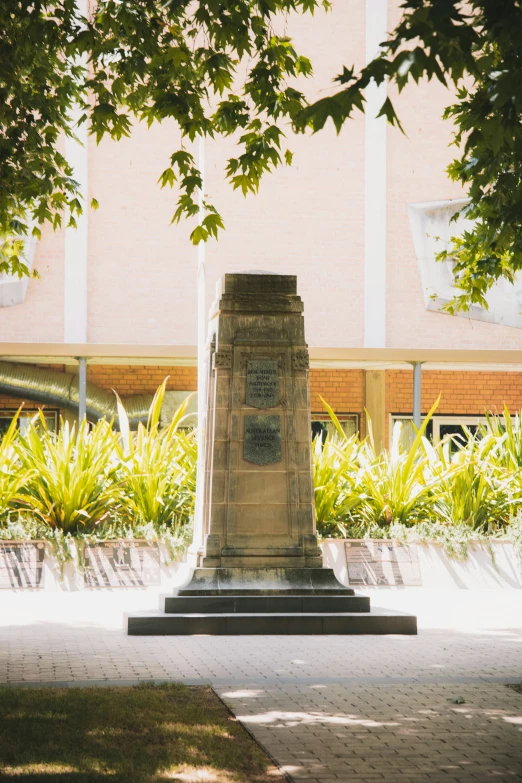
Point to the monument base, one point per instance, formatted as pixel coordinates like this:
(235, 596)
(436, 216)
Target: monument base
(241, 601)
(264, 581)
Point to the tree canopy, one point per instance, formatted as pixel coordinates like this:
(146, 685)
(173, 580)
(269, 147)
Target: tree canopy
(144, 60)
(150, 61)
(476, 46)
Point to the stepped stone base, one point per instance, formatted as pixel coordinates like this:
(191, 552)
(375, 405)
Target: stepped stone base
(351, 623)
(266, 601)
(259, 604)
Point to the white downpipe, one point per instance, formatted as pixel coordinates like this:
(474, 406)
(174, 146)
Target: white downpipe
(375, 187)
(82, 388)
(417, 380)
(197, 543)
(76, 239)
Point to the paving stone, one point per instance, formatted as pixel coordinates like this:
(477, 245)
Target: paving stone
(354, 709)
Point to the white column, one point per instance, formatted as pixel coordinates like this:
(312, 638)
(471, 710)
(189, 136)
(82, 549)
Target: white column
(375, 187)
(76, 239)
(82, 388)
(197, 542)
(417, 380)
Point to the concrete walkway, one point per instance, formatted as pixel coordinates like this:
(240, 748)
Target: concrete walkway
(428, 708)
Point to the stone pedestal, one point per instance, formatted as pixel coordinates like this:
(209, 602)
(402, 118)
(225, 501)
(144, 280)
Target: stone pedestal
(258, 567)
(258, 509)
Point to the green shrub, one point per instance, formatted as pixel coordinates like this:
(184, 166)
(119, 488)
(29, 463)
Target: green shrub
(13, 476)
(475, 488)
(478, 487)
(158, 468)
(74, 483)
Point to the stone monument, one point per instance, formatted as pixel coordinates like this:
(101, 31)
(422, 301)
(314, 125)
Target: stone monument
(258, 566)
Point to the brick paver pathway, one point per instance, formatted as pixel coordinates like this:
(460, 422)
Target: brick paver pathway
(354, 709)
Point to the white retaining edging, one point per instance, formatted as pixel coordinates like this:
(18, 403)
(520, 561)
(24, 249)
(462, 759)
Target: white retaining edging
(117, 565)
(112, 565)
(493, 564)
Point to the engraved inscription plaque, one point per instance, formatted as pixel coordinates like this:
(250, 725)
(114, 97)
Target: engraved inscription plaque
(262, 383)
(122, 564)
(21, 564)
(382, 563)
(262, 444)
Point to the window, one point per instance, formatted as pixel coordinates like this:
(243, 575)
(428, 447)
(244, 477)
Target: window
(438, 428)
(171, 403)
(453, 426)
(6, 417)
(322, 424)
(407, 430)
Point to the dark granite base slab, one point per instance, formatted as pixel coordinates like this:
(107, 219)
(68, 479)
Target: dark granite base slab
(377, 621)
(264, 582)
(278, 604)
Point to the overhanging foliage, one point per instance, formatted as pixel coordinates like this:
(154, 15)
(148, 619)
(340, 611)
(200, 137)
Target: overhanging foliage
(143, 60)
(473, 45)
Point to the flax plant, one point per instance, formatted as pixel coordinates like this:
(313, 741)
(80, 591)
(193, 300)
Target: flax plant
(13, 476)
(74, 474)
(374, 488)
(335, 484)
(475, 489)
(508, 434)
(158, 468)
(397, 484)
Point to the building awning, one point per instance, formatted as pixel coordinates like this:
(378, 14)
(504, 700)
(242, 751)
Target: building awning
(320, 357)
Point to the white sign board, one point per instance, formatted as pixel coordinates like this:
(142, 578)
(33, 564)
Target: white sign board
(122, 564)
(383, 563)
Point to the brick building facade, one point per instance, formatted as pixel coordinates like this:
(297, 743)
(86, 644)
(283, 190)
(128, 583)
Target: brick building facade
(123, 290)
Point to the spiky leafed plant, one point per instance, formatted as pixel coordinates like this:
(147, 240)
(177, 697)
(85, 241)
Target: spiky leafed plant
(335, 485)
(13, 476)
(74, 474)
(158, 467)
(396, 483)
(334, 464)
(474, 487)
(508, 433)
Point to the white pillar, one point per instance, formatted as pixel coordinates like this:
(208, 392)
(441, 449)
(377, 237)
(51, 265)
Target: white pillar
(417, 378)
(197, 542)
(76, 239)
(82, 388)
(375, 187)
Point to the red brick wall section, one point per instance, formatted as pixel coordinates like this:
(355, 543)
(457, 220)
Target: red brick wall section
(462, 392)
(342, 389)
(13, 403)
(128, 379)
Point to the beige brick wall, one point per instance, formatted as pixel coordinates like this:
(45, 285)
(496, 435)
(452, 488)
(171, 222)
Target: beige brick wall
(307, 220)
(40, 317)
(416, 172)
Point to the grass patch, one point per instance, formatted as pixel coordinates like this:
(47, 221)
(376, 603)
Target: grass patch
(146, 733)
(517, 688)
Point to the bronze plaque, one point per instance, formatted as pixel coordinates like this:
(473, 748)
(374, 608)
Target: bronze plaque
(382, 563)
(262, 383)
(21, 564)
(262, 444)
(122, 564)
